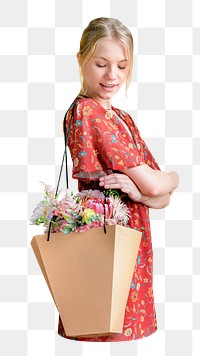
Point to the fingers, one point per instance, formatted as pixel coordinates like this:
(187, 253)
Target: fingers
(114, 179)
(122, 182)
(113, 185)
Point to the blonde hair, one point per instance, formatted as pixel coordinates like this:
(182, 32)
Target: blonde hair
(103, 27)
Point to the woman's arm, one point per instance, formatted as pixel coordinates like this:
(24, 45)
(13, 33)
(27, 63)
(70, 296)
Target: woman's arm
(152, 182)
(126, 185)
(156, 202)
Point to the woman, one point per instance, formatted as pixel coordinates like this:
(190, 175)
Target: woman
(108, 152)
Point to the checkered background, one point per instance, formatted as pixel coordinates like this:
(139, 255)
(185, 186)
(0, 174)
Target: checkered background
(39, 79)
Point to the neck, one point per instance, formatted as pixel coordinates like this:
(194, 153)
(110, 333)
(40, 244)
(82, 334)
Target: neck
(105, 103)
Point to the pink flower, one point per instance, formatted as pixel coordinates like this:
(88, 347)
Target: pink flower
(96, 206)
(108, 210)
(82, 228)
(61, 207)
(57, 212)
(91, 194)
(95, 224)
(86, 227)
(63, 224)
(56, 229)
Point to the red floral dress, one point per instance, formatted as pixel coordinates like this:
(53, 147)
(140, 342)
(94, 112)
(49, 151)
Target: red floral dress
(100, 144)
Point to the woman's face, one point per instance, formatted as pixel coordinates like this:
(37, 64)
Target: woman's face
(106, 70)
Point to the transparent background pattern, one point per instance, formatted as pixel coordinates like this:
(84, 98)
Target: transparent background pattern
(39, 78)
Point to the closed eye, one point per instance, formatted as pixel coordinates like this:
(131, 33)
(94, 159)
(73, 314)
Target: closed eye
(101, 65)
(104, 65)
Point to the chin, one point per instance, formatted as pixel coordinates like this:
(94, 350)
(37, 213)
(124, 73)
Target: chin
(106, 96)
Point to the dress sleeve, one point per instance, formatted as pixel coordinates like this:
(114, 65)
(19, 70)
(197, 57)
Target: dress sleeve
(97, 145)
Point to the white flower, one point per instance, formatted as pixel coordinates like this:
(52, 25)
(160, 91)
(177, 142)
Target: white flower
(42, 209)
(120, 210)
(61, 194)
(48, 189)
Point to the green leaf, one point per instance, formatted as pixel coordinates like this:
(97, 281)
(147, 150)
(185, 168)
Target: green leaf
(67, 229)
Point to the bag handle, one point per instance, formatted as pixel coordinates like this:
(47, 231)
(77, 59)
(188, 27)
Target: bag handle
(66, 136)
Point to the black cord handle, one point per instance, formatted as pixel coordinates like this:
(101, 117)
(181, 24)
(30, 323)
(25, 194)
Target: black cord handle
(66, 136)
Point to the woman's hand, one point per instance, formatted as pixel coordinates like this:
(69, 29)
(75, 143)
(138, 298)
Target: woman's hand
(122, 182)
(126, 185)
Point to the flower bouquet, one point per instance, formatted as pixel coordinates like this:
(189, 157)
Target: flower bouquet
(78, 212)
(89, 278)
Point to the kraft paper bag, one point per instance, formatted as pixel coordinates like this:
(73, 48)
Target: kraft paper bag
(89, 276)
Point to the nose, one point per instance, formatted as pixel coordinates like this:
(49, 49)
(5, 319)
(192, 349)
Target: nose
(111, 72)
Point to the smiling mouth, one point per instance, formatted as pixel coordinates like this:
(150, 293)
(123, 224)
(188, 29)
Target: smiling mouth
(108, 85)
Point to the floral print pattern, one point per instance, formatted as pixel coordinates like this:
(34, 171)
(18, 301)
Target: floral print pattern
(100, 144)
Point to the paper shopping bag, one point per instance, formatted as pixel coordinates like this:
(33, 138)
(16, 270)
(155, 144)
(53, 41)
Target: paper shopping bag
(89, 276)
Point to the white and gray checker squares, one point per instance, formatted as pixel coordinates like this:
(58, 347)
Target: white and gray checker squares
(39, 78)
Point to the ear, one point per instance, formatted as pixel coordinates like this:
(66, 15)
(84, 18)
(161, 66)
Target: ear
(78, 56)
